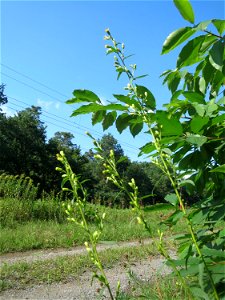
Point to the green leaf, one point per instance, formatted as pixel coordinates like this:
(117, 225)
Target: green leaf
(122, 122)
(186, 182)
(213, 252)
(115, 107)
(194, 97)
(219, 119)
(208, 72)
(197, 123)
(203, 25)
(93, 107)
(141, 76)
(196, 139)
(216, 56)
(147, 148)
(173, 83)
(221, 101)
(220, 25)
(211, 107)
(208, 41)
(220, 169)
(199, 293)
(127, 100)
(190, 54)
(158, 207)
(98, 116)
(84, 96)
(176, 38)
(86, 109)
(146, 96)
(217, 82)
(197, 217)
(174, 218)
(217, 271)
(172, 198)
(109, 120)
(171, 126)
(185, 10)
(136, 128)
(202, 85)
(200, 109)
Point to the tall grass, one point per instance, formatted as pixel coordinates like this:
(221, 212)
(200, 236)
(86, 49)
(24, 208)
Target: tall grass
(19, 211)
(18, 187)
(37, 226)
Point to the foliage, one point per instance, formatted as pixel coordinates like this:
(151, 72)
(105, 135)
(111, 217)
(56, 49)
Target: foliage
(17, 187)
(3, 98)
(188, 142)
(15, 211)
(24, 149)
(22, 142)
(42, 224)
(104, 192)
(160, 287)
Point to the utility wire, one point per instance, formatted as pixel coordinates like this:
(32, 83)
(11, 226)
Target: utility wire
(30, 86)
(35, 81)
(87, 128)
(78, 126)
(59, 126)
(56, 91)
(48, 122)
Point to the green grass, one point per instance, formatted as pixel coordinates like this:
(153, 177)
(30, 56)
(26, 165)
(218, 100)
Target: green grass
(22, 274)
(160, 287)
(120, 225)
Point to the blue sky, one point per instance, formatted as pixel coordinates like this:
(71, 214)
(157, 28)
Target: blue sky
(50, 48)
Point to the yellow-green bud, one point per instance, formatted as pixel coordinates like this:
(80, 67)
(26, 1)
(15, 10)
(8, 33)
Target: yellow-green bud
(139, 220)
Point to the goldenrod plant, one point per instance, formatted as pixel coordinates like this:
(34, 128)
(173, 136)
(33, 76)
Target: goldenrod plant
(186, 139)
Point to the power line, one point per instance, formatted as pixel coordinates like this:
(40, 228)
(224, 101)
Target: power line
(30, 86)
(38, 82)
(48, 122)
(58, 100)
(44, 85)
(78, 126)
(61, 118)
(59, 126)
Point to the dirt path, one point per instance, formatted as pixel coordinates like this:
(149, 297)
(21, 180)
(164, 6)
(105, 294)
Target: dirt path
(34, 255)
(81, 288)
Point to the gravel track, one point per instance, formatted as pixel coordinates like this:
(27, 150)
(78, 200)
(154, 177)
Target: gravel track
(81, 288)
(34, 255)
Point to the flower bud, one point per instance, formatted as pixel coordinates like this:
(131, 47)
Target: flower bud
(107, 31)
(139, 220)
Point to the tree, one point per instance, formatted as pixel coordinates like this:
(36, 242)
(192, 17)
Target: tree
(62, 141)
(3, 97)
(108, 142)
(22, 140)
(104, 191)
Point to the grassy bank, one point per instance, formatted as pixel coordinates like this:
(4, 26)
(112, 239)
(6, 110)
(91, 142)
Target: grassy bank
(48, 228)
